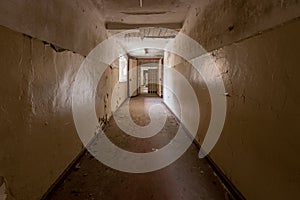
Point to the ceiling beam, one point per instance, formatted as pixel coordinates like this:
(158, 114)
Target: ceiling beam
(145, 13)
(123, 26)
(162, 37)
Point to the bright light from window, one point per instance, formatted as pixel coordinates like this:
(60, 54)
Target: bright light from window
(122, 69)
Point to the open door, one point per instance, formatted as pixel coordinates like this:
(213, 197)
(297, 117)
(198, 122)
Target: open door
(133, 78)
(160, 78)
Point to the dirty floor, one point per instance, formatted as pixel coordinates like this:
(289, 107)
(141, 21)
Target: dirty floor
(188, 178)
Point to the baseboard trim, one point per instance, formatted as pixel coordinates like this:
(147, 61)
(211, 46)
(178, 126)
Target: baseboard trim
(64, 174)
(76, 160)
(232, 190)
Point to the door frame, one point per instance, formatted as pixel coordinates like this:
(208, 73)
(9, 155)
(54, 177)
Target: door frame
(128, 79)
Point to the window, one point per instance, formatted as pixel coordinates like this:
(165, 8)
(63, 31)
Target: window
(122, 69)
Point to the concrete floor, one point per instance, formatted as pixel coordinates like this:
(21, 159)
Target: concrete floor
(187, 178)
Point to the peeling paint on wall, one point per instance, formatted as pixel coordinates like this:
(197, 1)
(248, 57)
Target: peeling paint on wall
(217, 23)
(259, 146)
(61, 23)
(3, 194)
(38, 136)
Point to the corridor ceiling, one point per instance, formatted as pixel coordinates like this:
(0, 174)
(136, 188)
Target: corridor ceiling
(80, 25)
(119, 14)
(161, 16)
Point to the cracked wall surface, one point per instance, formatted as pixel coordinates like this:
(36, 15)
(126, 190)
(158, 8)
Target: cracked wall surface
(259, 146)
(255, 45)
(38, 136)
(217, 23)
(260, 136)
(106, 103)
(74, 25)
(36, 120)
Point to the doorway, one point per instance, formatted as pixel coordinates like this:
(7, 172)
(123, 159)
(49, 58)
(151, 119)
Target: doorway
(150, 76)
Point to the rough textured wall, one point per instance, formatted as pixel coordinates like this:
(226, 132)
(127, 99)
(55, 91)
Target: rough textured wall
(38, 136)
(259, 146)
(74, 25)
(197, 83)
(106, 103)
(216, 23)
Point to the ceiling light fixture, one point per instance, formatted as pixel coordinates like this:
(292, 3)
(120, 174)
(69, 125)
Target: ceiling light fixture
(141, 3)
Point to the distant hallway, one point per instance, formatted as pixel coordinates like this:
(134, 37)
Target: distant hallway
(188, 178)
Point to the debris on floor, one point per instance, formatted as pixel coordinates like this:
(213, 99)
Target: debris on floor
(183, 179)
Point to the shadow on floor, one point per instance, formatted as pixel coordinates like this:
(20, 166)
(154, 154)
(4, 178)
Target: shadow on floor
(188, 178)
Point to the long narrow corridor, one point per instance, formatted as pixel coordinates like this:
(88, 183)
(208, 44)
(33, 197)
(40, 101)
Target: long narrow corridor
(187, 178)
(199, 99)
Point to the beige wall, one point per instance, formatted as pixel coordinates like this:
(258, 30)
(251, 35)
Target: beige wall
(216, 23)
(75, 25)
(106, 102)
(38, 138)
(259, 146)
